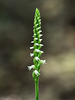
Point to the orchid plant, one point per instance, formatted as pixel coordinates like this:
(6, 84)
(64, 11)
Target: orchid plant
(36, 52)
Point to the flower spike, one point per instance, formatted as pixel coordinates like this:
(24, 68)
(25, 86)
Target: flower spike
(36, 46)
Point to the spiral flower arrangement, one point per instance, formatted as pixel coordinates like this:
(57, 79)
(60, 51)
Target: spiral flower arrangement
(36, 52)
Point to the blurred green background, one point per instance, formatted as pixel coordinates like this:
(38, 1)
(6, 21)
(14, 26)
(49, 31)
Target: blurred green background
(57, 79)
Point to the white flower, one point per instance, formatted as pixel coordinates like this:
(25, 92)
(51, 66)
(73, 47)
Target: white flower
(37, 50)
(40, 35)
(40, 40)
(35, 22)
(37, 44)
(34, 35)
(37, 58)
(41, 45)
(36, 25)
(38, 28)
(32, 41)
(31, 47)
(31, 54)
(43, 62)
(31, 67)
(39, 20)
(40, 31)
(36, 73)
(35, 38)
(41, 51)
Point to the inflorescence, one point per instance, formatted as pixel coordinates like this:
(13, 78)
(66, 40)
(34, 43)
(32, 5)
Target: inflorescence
(36, 46)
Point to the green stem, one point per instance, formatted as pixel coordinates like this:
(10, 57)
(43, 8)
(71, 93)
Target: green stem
(37, 89)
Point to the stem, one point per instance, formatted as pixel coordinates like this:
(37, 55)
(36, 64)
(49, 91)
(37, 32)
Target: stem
(37, 89)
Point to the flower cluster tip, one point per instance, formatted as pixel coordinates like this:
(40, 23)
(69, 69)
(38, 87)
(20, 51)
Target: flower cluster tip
(37, 45)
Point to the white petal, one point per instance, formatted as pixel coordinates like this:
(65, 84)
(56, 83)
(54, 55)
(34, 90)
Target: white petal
(39, 20)
(38, 28)
(35, 22)
(31, 67)
(35, 38)
(31, 47)
(41, 45)
(43, 62)
(40, 40)
(38, 17)
(36, 73)
(37, 44)
(36, 25)
(41, 51)
(40, 35)
(40, 31)
(37, 50)
(33, 35)
(31, 54)
(37, 58)
(32, 41)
